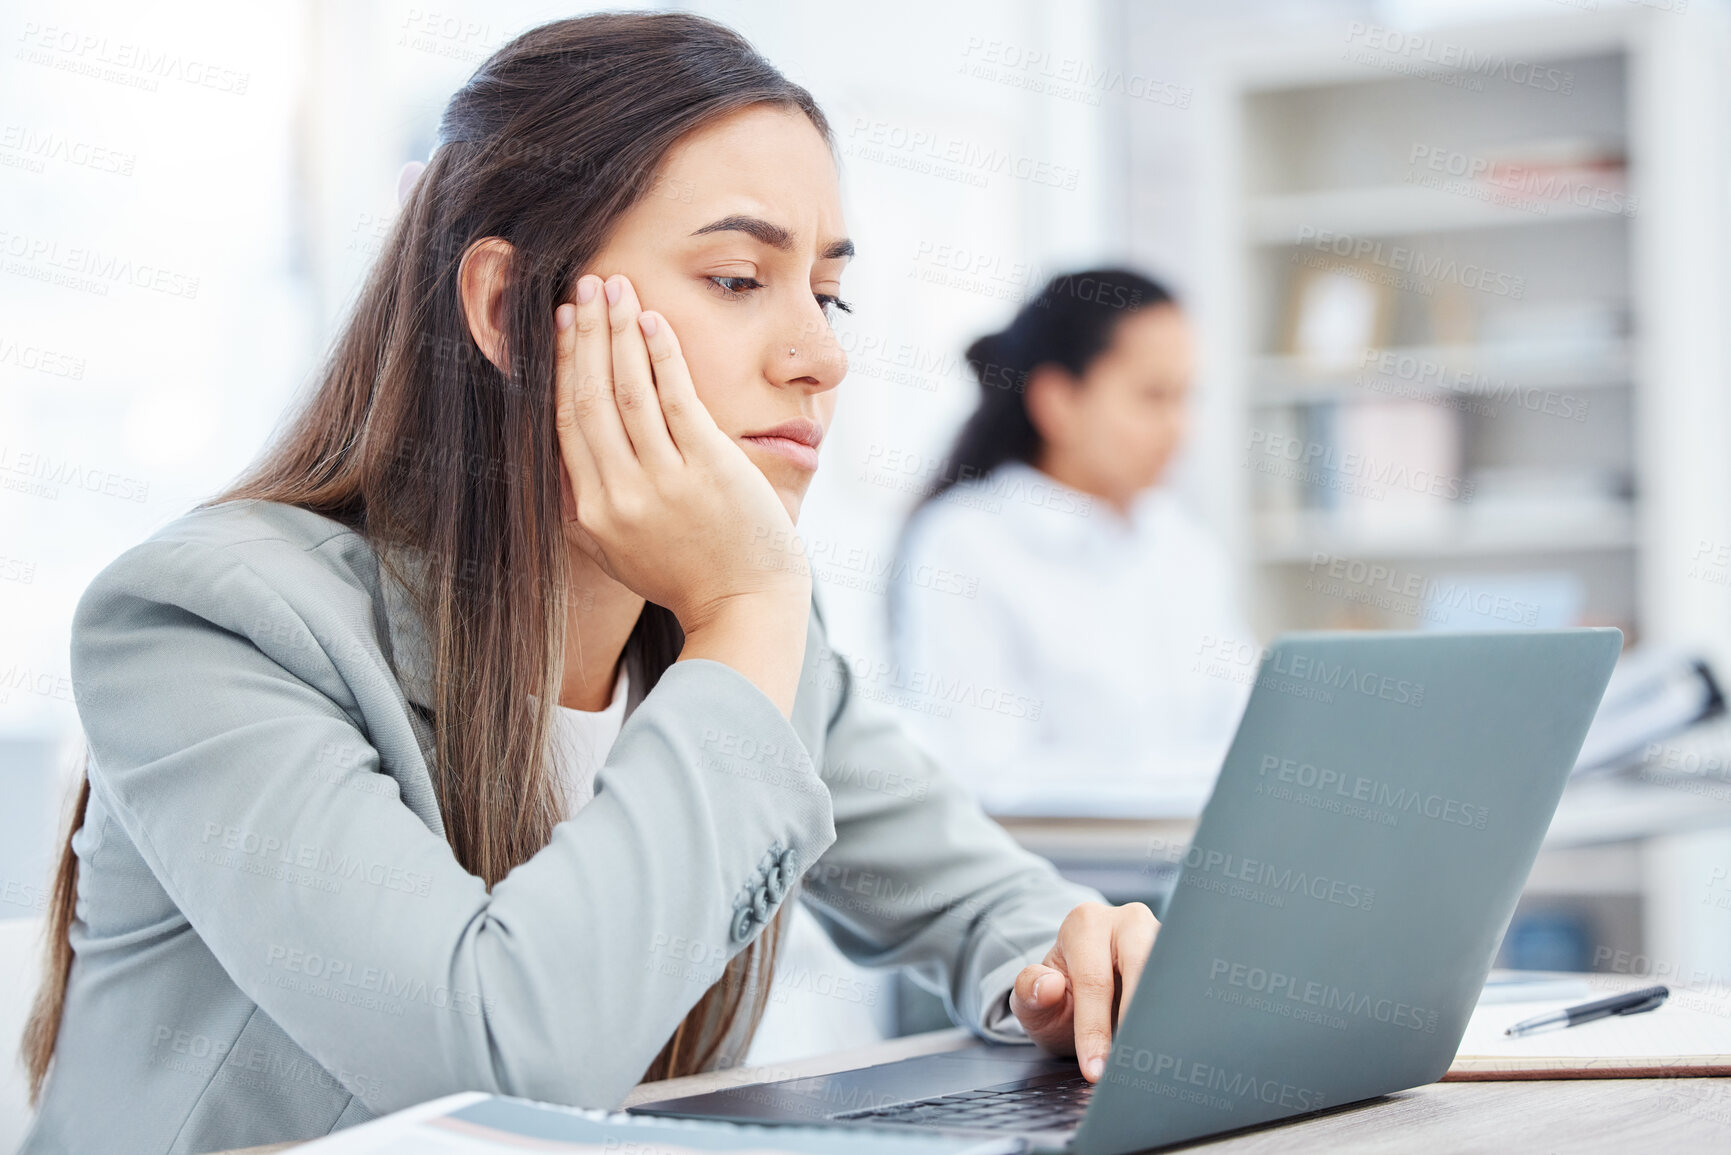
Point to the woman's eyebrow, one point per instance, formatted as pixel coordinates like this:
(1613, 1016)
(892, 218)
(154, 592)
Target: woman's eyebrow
(772, 235)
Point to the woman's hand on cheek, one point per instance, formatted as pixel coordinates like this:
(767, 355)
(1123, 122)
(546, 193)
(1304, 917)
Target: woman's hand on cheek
(1073, 1002)
(664, 501)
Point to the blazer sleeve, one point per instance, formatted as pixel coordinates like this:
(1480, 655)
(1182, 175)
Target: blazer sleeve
(206, 701)
(920, 876)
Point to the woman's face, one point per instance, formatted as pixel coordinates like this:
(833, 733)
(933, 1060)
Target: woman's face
(1118, 430)
(739, 243)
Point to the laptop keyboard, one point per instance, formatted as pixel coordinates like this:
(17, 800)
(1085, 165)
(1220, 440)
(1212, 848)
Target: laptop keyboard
(1043, 1106)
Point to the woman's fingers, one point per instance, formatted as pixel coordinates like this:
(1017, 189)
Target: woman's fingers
(1133, 934)
(1094, 987)
(633, 382)
(688, 421)
(589, 405)
(1099, 958)
(573, 447)
(1038, 1001)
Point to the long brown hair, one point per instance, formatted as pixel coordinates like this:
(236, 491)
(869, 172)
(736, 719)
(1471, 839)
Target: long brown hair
(416, 440)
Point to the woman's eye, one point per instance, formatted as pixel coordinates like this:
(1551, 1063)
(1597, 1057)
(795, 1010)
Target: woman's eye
(740, 286)
(726, 285)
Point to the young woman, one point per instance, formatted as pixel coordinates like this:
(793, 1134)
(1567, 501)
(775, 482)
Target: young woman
(1094, 591)
(326, 864)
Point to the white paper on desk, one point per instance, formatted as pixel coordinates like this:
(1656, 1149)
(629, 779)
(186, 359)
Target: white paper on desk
(480, 1124)
(1688, 1025)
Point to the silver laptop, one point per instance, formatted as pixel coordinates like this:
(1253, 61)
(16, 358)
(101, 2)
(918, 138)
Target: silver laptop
(1334, 917)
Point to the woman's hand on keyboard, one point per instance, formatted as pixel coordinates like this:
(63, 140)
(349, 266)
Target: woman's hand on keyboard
(1072, 1003)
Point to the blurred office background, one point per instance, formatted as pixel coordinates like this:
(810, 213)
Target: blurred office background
(1459, 269)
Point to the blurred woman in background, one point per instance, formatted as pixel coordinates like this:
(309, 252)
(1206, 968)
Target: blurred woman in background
(1093, 591)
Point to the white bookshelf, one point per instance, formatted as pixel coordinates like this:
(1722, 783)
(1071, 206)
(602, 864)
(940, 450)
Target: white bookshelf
(1394, 210)
(1618, 319)
(1627, 312)
(1546, 364)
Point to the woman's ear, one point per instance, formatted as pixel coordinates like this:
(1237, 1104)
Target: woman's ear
(481, 279)
(1050, 395)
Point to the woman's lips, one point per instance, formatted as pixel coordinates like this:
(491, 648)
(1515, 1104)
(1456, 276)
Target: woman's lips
(798, 452)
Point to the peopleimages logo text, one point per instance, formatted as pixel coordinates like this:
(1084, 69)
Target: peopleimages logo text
(1274, 984)
(1230, 1087)
(1419, 54)
(1305, 668)
(1397, 258)
(1257, 872)
(1358, 788)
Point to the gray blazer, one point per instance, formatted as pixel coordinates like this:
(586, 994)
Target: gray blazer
(275, 941)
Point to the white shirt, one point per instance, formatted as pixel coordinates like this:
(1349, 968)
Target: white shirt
(583, 738)
(1064, 648)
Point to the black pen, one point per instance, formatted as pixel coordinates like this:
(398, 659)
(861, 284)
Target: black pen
(1632, 1003)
